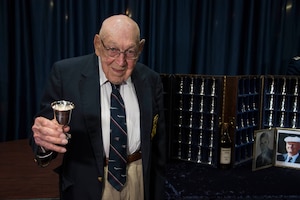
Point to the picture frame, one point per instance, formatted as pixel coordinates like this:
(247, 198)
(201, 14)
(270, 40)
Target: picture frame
(263, 149)
(285, 138)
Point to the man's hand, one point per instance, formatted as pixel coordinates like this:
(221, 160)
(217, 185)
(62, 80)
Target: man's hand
(49, 134)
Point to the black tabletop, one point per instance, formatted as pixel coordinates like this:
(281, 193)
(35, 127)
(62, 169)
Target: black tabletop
(187, 180)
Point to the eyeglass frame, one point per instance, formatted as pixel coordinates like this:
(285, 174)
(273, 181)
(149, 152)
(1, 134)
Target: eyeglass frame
(118, 52)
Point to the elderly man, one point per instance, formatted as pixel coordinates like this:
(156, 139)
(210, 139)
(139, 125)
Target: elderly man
(109, 156)
(292, 147)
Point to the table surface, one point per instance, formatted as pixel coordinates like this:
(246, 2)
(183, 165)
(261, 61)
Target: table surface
(195, 181)
(21, 178)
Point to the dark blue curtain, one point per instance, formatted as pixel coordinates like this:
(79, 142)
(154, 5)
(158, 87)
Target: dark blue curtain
(213, 37)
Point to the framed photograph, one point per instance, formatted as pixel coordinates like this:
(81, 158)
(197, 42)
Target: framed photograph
(263, 149)
(287, 148)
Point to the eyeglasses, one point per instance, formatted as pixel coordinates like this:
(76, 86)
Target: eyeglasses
(114, 52)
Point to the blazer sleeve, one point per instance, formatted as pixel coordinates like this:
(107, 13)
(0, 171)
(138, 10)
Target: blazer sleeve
(51, 92)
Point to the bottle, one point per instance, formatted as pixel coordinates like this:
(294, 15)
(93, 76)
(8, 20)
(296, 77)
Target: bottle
(225, 147)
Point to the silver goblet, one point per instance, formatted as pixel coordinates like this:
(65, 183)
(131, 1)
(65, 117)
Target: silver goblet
(62, 112)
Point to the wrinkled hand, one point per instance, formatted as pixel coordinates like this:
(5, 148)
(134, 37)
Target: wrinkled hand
(49, 134)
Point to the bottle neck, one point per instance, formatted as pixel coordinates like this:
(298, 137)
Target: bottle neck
(225, 132)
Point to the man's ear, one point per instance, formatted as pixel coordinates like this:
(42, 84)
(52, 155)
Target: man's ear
(141, 45)
(97, 44)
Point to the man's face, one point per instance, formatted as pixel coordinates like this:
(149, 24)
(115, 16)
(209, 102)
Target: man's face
(292, 147)
(118, 34)
(264, 142)
(118, 68)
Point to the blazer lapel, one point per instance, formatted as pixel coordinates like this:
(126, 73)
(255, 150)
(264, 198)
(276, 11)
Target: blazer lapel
(143, 92)
(90, 98)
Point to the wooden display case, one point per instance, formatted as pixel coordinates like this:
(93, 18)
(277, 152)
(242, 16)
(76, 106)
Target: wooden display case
(196, 105)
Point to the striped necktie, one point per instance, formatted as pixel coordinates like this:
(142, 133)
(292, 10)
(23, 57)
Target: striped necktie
(118, 141)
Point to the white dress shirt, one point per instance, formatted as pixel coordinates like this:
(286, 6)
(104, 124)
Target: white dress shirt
(132, 110)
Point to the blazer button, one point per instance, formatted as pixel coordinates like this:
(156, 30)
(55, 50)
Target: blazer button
(100, 179)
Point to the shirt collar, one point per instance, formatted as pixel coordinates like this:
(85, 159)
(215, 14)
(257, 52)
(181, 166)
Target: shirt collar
(295, 156)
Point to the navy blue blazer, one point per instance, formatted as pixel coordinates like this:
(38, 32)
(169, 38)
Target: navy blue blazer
(82, 170)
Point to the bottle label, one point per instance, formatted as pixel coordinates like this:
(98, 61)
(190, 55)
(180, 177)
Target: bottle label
(225, 155)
